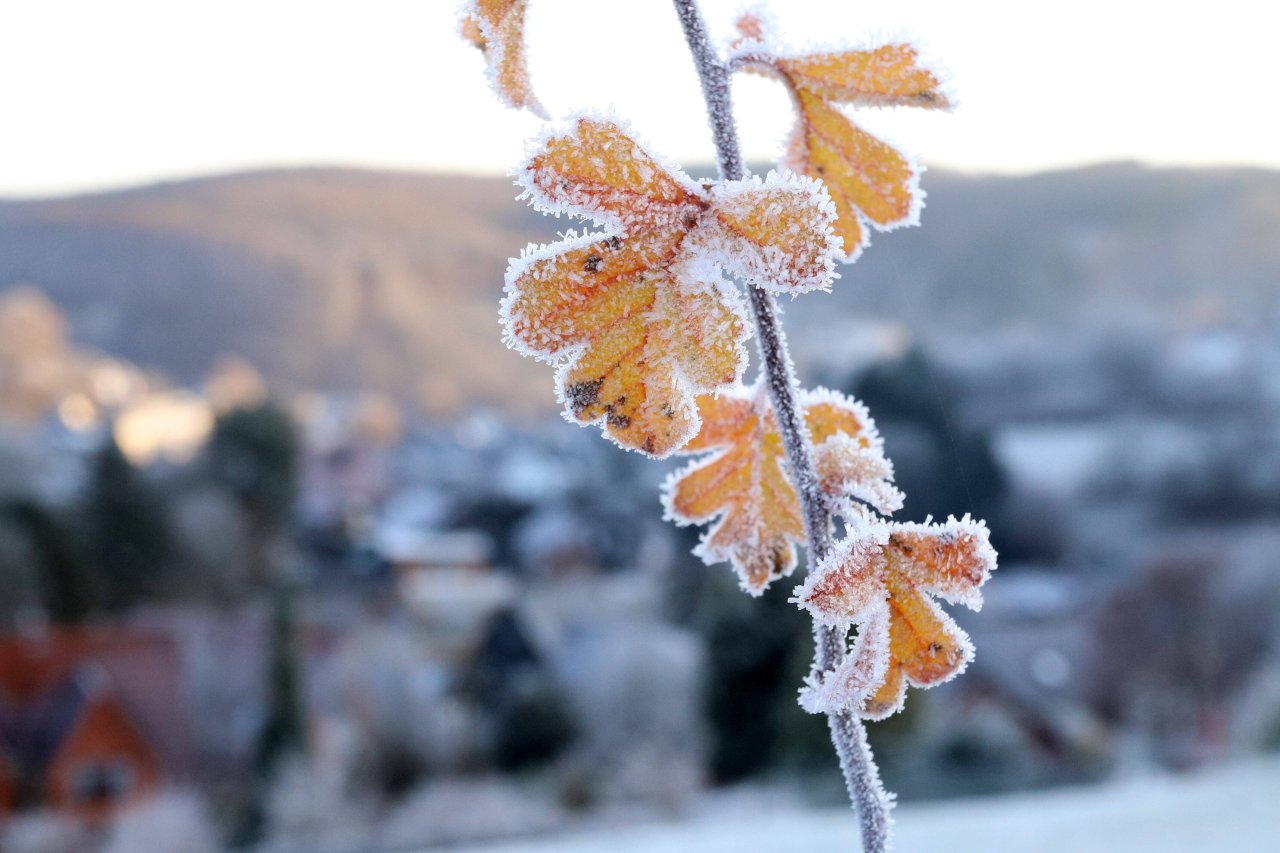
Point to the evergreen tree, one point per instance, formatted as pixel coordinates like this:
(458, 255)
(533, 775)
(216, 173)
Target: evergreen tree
(254, 454)
(67, 588)
(283, 730)
(943, 467)
(127, 535)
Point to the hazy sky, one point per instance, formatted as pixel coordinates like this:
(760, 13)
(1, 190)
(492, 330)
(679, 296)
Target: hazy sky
(101, 93)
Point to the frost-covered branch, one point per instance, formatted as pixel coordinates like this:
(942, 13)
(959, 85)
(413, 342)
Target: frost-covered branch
(860, 772)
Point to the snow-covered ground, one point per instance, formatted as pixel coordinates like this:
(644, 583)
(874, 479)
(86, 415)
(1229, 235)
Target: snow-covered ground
(1234, 809)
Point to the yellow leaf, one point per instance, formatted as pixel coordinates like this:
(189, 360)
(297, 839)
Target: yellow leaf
(638, 337)
(469, 29)
(870, 181)
(882, 577)
(497, 28)
(774, 231)
(889, 75)
(601, 173)
(744, 486)
(642, 320)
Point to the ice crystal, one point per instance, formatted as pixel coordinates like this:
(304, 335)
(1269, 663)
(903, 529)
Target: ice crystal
(497, 28)
(871, 182)
(639, 318)
(744, 485)
(883, 577)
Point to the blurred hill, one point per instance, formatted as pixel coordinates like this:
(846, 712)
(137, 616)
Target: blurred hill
(340, 279)
(1089, 247)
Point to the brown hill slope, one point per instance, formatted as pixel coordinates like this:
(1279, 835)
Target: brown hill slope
(327, 278)
(336, 278)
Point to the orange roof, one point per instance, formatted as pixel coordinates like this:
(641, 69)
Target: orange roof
(143, 669)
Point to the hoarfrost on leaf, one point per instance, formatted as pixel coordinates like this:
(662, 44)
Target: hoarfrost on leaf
(497, 28)
(847, 687)
(883, 577)
(639, 318)
(777, 233)
(744, 485)
(871, 182)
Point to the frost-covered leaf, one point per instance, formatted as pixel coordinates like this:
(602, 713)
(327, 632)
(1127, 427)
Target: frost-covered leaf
(884, 577)
(744, 486)
(870, 181)
(754, 27)
(856, 468)
(636, 335)
(856, 677)
(640, 318)
(497, 28)
(889, 75)
(775, 232)
(598, 172)
(848, 454)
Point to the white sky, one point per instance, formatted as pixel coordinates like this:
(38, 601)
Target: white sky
(102, 93)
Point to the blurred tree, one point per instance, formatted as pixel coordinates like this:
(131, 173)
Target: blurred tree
(68, 591)
(535, 723)
(749, 644)
(126, 528)
(254, 454)
(1175, 646)
(283, 731)
(20, 577)
(944, 467)
(947, 470)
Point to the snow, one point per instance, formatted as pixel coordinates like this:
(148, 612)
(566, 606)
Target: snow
(1226, 810)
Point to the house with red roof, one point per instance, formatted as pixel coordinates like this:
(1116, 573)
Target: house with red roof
(90, 720)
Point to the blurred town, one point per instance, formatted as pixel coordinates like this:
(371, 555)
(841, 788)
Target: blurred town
(248, 606)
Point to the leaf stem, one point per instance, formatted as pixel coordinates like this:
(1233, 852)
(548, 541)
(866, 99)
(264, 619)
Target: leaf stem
(862, 777)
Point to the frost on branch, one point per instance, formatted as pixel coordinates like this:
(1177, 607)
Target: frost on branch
(640, 318)
(857, 676)
(870, 181)
(497, 28)
(744, 486)
(883, 577)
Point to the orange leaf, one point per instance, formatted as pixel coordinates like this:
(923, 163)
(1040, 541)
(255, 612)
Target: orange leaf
(642, 320)
(469, 29)
(889, 75)
(870, 181)
(774, 231)
(848, 455)
(744, 486)
(599, 172)
(752, 26)
(637, 338)
(882, 577)
(497, 28)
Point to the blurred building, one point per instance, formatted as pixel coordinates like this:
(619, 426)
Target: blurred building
(90, 720)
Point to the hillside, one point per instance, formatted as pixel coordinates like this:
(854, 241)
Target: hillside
(335, 278)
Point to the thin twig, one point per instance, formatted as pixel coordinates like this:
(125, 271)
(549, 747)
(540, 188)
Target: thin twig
(847, 732)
